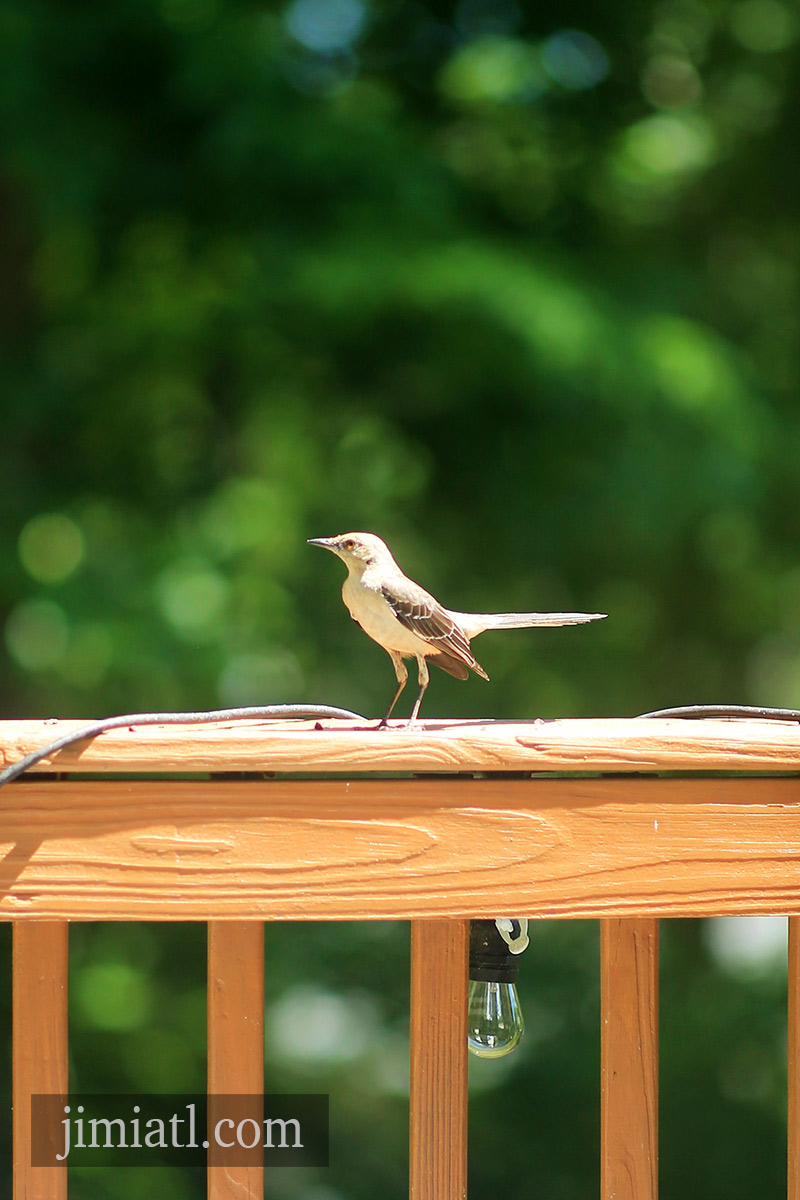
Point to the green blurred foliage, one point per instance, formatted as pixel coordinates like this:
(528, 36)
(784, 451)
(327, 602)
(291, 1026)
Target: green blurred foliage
(517, 290)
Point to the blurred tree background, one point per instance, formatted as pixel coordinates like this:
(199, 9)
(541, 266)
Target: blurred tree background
(515, 288)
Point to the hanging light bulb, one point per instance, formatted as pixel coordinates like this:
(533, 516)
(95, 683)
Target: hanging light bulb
(494, 1017)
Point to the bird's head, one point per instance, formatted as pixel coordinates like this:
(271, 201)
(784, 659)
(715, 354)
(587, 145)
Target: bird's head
(356, 550)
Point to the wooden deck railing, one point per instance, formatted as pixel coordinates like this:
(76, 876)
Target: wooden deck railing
(552, 819)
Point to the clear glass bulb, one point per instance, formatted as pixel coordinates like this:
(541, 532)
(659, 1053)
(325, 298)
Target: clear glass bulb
(494, 1019)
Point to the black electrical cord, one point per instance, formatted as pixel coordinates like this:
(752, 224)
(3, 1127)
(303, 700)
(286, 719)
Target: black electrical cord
(273, 711)
(697, 711)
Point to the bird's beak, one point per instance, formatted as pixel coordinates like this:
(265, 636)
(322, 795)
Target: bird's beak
(326, 542)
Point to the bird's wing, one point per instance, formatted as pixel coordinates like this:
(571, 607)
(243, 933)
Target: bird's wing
(423, 615)
(453, 666)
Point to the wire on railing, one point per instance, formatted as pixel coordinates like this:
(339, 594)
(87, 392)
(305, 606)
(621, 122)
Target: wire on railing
(269, 711)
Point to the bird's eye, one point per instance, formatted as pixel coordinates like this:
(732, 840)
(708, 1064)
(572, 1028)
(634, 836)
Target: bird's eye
(349, 544)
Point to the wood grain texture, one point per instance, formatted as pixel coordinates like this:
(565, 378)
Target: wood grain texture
(235, 1042)
(606, 744)
(438, 1105)
(629, 1059)
(793, 1063)
(39, 1054)
(362, 849)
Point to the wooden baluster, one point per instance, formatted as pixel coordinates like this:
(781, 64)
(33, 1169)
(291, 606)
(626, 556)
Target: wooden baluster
(39, 1055)
(438, 1111)
(793, 1064)
(235, 1039)
(629, 1059)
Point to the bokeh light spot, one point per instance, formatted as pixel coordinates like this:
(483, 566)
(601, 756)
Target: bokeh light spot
(112, 996)
(37, 634)
(671, 82)
(269, 677)
(314, 1026)
(88, 656)
(191, 595)
(667, 145)
(763, 26)
(747, 946)
(326, 26)
(575, 59)
(51, 547)
(688, 362)
(250, 514)
(496, 69)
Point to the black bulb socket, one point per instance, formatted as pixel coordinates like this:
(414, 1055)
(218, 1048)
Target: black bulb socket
(490, 960)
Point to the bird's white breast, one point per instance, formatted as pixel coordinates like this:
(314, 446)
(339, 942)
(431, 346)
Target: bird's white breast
(376, 618)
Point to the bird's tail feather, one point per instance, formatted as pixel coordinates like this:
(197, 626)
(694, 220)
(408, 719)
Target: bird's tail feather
(475, 623)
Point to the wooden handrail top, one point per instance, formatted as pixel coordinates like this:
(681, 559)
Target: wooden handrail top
(593, 745)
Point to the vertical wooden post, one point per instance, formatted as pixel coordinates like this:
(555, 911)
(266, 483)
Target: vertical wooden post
(629, 1059)
(793, 1063)
(39, 1053)
(235, 1038)
(438, 1110)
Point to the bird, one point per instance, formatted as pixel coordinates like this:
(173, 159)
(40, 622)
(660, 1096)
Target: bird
(409, 622)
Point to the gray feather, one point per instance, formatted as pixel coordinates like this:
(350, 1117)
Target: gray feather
(475, 623)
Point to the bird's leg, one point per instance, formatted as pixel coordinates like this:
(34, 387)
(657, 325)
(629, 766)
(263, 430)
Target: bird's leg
(402, 678)
(424, 678)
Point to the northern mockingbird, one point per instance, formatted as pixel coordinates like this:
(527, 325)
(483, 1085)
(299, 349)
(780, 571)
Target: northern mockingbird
(409, 623)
